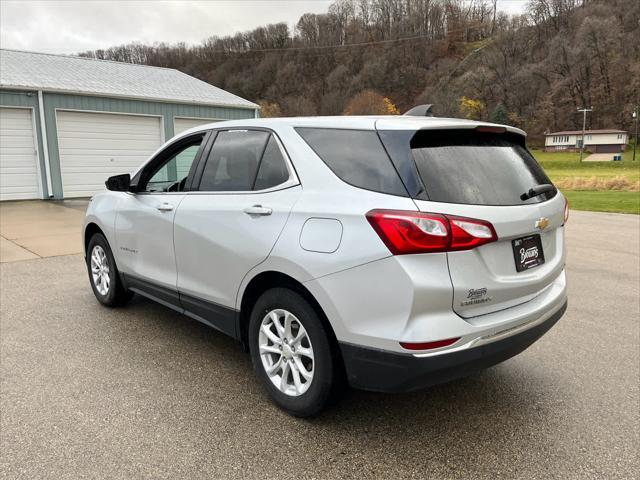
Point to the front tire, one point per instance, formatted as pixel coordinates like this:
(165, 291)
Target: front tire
(103, 273)
(292, 353)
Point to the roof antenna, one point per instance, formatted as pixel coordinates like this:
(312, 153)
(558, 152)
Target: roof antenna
(425, 110)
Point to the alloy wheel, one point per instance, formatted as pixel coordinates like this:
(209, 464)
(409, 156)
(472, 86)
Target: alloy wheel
(286, 352)
(100, 270)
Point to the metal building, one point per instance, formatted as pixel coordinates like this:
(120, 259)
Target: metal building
(67, 123)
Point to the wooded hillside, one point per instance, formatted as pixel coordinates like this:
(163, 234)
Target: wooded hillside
(470, 60)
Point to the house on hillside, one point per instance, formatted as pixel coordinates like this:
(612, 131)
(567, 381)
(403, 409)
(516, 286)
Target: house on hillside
(596, 141)
(68, 123)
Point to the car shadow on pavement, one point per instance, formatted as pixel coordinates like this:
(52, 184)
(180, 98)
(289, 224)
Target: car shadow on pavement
(500, 412)
(508, 391)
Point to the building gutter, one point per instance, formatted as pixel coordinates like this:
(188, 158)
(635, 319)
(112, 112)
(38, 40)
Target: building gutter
(45, 145)
(246, 105)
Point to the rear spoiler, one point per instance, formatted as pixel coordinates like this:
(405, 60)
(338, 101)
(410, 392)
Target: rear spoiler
(425, 110)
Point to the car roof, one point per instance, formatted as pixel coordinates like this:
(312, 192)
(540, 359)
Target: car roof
(381, 122)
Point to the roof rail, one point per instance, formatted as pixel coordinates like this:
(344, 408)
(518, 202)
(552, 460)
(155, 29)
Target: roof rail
(425, 110)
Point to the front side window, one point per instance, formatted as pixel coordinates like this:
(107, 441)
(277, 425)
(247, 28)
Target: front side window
(244, 160)
(172, 174)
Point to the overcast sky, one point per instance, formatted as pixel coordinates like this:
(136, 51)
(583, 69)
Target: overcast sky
(74, 26)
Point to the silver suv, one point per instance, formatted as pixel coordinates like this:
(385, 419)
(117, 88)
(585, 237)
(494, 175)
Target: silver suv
(386, 253)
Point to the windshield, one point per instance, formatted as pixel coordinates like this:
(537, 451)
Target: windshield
(481, 168)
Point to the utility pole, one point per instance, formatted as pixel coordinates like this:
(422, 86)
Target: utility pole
(635, 144)
(584, 127)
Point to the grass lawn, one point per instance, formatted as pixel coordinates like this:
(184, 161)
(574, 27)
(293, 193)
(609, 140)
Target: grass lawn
(603, 201)
(595, 186)
(567, 165)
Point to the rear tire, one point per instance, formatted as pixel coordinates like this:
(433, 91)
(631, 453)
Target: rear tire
(292, 353)
(103, 273)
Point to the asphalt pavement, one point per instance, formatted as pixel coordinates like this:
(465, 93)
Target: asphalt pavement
(142, 392)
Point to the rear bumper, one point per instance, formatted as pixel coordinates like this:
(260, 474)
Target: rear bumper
(384, 371)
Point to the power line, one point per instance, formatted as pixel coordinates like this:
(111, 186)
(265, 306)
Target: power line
(445, 33)
(320, 47)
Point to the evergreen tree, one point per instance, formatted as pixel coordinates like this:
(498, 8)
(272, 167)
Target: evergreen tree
(500, 115)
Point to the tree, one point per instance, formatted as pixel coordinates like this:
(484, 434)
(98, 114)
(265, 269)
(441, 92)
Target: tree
(460, 55)
(500, 115)
(369, 102)
(269, 109)
(471, 109)
(390, 106)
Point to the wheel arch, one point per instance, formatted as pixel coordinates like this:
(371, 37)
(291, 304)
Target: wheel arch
(90, 230)
(266, 280)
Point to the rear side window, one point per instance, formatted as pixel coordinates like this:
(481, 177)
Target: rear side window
(273, 168)
(356, 156)
(233, 161)
(480, 168)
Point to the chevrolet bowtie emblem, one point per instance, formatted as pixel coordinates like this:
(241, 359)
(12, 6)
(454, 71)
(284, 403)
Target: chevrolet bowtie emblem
(542, 223)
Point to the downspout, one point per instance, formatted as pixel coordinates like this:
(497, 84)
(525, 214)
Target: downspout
(45, 146)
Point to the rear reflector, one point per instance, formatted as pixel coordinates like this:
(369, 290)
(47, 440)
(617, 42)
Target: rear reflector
(566, 210)
(429, 345)
(407, 232)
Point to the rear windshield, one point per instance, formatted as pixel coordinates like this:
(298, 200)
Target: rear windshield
(462, 166)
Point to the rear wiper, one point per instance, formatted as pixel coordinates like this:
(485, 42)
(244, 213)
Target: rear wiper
(537, 190)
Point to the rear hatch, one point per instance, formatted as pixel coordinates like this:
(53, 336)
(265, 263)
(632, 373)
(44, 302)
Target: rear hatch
(481, 174)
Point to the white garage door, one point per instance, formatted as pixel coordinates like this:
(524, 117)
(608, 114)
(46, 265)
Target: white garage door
(182, 124)
(94, 146)
(18, 156)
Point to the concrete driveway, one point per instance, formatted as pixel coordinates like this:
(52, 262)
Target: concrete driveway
(599, 157)
(37, 229)
(141, 392)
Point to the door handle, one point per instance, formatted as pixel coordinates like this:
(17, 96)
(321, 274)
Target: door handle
(165, 207)
(258, 210)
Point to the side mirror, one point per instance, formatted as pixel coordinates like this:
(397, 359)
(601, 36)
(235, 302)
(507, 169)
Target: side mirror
(119, 183)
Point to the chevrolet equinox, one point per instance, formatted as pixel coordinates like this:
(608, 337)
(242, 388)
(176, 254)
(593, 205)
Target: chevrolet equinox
(385, 253)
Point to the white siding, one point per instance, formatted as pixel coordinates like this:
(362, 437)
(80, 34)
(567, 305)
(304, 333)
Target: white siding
(182, 124)
(561, 140)
(590, 139)
(94, 146)
(605, 139)
(19, 177)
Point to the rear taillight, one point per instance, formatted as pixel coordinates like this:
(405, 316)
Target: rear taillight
(469, 233)
(566, 210)
(411, 232)
(405, 232)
